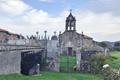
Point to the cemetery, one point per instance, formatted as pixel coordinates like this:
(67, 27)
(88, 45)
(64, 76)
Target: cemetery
(67, 56)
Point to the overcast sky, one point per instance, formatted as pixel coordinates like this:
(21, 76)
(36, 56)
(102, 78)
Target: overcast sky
(99, 19)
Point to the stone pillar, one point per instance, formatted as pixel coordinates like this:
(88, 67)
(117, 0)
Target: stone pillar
(78, 59)
(38, 68)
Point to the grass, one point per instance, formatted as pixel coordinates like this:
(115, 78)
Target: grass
(114, 61)
(52, 76)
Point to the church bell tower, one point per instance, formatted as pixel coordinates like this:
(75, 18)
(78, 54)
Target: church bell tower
(70, 22)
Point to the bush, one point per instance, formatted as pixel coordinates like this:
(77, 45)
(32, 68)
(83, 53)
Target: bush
(110, 74)
(97, 61)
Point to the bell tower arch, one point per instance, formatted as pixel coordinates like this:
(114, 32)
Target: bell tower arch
(70, 23)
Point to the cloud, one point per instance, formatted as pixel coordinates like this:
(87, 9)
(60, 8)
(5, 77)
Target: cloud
(97, 22)
(43, 21)
(100, 26)
(13, 7)
(106, 37)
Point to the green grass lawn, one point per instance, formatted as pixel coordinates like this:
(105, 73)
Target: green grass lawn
(114, 61)
(52, 76)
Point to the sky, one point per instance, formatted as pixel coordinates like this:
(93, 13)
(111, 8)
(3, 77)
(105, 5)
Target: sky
(99, 19)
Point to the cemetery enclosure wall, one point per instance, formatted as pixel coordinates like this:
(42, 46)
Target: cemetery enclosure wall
(10, 62)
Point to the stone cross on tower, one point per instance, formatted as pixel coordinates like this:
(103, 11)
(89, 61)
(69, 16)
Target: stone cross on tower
(70, 10)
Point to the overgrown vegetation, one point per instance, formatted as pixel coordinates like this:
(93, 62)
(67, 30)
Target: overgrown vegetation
(111, 72)
(97, 61)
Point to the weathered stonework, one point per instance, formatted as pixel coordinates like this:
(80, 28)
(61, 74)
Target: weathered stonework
(10, 58)
(78, 40)
(73, 43)
(10, 62)
(53, 55)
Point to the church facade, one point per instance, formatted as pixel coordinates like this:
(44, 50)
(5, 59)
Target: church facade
(71, 38)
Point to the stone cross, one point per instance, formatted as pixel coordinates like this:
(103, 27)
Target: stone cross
(70, 10)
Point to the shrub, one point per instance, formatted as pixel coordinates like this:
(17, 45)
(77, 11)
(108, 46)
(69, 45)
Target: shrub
(110, 74)
(97, 61)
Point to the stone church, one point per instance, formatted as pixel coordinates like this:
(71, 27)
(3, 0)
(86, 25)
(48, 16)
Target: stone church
(71, 38)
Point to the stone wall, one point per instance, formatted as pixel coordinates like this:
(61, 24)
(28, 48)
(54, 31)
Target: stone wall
(78, 41)
(10, 62)
(70, 36)
(53, 55)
